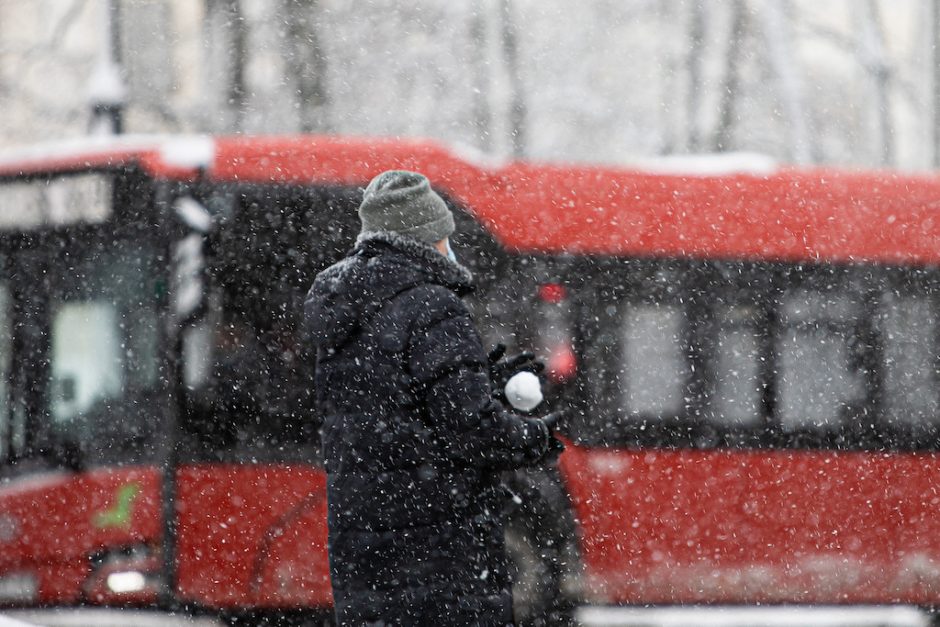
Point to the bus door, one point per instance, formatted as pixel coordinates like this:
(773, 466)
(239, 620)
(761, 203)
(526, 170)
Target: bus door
(250, 487)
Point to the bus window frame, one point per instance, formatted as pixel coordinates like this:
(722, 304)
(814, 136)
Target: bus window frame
(868, 427)
(701, 285)
(716, 284)
(614, 281)
(849, 280)
(916, 282)
(31, 343)
(705, 285)
(886, 435)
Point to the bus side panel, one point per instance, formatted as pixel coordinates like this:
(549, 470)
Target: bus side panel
(53, 524)
(295, 570)
(252, 536)
(810, 526)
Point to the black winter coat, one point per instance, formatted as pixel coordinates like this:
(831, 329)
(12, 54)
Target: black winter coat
(413, 442)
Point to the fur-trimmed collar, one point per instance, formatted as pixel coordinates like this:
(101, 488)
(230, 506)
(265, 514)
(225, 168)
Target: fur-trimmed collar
(379, 267)
(449, 272)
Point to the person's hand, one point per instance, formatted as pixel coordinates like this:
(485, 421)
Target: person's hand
(502, 368)
(555, 448)
(551, 420)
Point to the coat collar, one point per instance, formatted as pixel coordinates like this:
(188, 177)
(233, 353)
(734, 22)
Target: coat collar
(441, 269)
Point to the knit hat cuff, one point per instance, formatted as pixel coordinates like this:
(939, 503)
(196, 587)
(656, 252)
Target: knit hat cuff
(432, 232)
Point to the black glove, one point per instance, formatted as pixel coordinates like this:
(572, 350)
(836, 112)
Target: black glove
(555, 448)
(502, 368)
(550, 423)
(551, 420)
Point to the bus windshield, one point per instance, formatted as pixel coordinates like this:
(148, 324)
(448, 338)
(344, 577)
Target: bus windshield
(102, 319)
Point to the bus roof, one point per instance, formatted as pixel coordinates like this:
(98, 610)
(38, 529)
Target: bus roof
(771, 214)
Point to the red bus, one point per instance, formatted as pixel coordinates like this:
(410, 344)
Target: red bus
(751, 360)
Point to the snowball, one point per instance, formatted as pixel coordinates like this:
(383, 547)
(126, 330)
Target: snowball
(523, 391)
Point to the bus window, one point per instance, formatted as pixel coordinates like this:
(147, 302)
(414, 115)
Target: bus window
(908, 327)
(655, 369)
(87, 366)
(104, 358)
(634, 336)
(736, 400)
(197, 354)
(820, 381)
(6, 328)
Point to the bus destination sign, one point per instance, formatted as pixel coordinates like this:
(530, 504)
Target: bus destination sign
(58, 201)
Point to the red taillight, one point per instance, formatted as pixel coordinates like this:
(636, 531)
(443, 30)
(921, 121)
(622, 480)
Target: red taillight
(562, 363)
(552, 293)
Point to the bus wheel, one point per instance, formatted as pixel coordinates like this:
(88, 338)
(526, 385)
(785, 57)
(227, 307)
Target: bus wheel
(543, 561)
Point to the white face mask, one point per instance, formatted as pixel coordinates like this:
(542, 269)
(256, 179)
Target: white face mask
(450, 253)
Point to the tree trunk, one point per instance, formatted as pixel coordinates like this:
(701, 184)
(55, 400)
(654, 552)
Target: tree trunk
(874, 58)
(779, 39)
(306, 63)
(935, 99)
(237, 91)
(482, 112)
(729, 91)
(695, 58)
(517, 108)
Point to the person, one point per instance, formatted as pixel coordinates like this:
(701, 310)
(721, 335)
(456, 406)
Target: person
(413, 439)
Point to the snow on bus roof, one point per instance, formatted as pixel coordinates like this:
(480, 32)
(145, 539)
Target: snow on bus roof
(729, 207)
(709, 164)
(738, 208)
(168, 155)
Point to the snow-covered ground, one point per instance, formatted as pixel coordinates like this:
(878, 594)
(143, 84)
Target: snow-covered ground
(880, 616)
(869, 616)
(100, 618)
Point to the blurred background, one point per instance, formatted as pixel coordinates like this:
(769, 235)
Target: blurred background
(848, 82)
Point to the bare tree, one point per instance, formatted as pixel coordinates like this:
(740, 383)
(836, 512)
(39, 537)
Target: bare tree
(57, 33)
(48, 46)
(935, 98)
(238, 92)
(306, 63)
(868, 46)
(695, 59)
(730, 85)
(874, 58)
(227, 37)
(779, 38)
(517, 108)
(482, 116)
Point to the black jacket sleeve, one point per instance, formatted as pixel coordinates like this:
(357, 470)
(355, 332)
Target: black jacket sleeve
(448, 364)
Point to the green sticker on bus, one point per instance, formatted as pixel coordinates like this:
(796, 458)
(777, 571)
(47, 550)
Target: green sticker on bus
(119, 514)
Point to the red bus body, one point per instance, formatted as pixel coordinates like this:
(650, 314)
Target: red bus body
(655, 525)
(224, 515)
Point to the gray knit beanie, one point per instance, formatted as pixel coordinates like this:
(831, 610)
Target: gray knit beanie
(403, 202)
